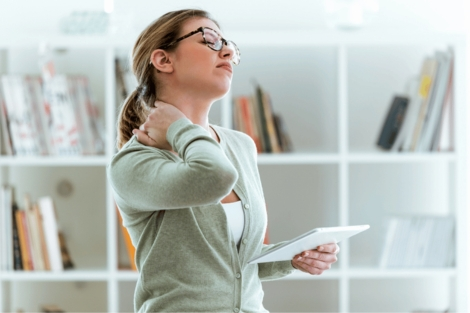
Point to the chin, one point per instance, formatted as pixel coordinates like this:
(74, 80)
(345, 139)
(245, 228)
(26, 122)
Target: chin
(221, 91)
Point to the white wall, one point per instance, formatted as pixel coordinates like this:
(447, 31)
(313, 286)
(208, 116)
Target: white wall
(32, 16)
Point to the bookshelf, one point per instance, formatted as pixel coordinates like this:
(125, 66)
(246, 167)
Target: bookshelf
(333, 90)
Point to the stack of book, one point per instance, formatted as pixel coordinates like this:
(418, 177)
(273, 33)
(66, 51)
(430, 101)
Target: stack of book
(59, 117)
(30, 239)
(419, 242)
(254, 116)
(421, 120)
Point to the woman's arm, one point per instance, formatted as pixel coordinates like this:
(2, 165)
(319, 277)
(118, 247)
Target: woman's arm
(274, 270)
(314, 262)
(146, 179)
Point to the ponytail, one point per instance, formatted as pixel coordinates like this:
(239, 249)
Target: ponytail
(131, 116)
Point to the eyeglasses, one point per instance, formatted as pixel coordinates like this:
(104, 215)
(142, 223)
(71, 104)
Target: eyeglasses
(213, 40)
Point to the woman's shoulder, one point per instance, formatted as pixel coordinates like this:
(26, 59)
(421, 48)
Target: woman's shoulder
(133, 148)
(233, 134)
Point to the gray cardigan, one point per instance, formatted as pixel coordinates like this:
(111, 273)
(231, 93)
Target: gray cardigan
(185, 253)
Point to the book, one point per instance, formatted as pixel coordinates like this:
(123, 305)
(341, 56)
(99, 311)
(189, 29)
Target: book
(34, 236)
(24, 237)
(265, 139)
(393, 122)
(404, 136)
(426, 91)
(51, 233)
(67, 262)
(42, 238)
(33, 92)
(6, 232)
(431, 122)
(6, 147)
(17, 257)
(269, 118)
(443, 138)
(130, 249)
(22, 127)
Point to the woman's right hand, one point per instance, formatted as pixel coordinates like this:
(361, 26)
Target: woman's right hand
(153, 131)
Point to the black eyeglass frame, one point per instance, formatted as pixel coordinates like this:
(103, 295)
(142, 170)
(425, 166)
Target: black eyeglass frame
(201, 30)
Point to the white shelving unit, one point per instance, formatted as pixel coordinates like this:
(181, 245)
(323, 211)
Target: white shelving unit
(333, 90)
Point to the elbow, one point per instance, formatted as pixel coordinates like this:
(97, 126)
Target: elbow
(224, 179)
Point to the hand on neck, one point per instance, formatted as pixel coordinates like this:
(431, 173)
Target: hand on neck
(195, 109)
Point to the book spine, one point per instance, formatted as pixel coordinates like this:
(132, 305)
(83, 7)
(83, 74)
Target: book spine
(262, 121)
(18, 261)
(7, 147)
(42, 238)
(393, 122)
(425, 91)
(46, 206)
(268, 110)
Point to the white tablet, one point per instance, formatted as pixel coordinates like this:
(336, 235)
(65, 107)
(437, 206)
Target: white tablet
(308, 241)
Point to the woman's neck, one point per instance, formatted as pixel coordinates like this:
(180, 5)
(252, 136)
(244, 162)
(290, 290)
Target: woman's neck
(196, 110)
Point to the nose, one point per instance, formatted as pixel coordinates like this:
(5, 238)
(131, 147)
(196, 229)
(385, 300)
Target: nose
(227, 50)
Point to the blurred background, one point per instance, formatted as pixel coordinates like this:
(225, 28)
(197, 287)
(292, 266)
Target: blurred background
(367, 105)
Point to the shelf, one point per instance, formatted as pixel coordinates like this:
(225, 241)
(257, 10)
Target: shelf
(354, 157)
(72, 275)
(356, 273)
(298, 158)
(127, 275)
(54, 161)
(398, 157)
(371, 273)
(368, 273)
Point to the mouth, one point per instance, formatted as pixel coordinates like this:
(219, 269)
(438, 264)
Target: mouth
(226, 67)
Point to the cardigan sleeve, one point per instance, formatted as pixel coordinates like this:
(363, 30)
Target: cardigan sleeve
(148, 179)
(274, 270)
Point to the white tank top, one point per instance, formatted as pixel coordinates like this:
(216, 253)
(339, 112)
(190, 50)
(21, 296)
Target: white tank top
(235, 219)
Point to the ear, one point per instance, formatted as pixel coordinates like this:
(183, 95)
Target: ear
(161, 60)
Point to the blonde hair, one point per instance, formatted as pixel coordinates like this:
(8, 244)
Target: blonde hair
(159, 33)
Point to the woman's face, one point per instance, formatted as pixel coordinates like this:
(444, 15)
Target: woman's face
(199, 69)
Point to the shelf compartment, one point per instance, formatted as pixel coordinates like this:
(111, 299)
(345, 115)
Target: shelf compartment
(126, 296)
(309, 296)
(307, 104)
(79, 195)
(375, 75)
(403, 295)
(380, 191)
(76, 296)
(317, 187)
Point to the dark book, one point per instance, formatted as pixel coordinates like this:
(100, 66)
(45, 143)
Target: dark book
(17, 261)
(66, 258)
(262, 120)
(393, 122)
(284, 140)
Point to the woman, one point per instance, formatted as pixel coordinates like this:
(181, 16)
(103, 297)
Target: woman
(190, 192)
